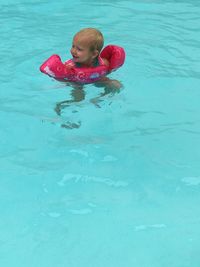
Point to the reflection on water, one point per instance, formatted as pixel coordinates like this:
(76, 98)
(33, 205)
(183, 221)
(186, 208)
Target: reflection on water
(71, 125)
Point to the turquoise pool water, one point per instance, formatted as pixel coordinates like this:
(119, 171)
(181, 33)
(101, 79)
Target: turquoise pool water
(111, 184)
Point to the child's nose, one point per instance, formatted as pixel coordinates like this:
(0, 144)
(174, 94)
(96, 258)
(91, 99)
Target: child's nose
(73, 50)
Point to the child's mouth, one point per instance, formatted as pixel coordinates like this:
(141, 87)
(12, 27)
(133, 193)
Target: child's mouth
(75, 58)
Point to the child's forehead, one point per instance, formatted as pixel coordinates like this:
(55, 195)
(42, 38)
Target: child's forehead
(82, 41)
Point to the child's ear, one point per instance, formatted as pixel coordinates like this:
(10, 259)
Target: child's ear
(95, 54)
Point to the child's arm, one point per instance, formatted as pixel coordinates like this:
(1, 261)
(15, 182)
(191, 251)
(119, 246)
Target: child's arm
(108, 83)
(106, 62)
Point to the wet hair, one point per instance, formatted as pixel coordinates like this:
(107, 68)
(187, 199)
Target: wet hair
(95, 36)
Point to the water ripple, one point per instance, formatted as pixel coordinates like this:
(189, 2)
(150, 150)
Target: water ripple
(86, 178)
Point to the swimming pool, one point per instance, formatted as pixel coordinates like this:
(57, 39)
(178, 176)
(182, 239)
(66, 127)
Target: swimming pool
(113, 183)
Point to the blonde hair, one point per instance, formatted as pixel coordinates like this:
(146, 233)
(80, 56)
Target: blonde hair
(95, 36)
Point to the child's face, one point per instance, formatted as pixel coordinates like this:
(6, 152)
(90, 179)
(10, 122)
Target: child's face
(81, 50)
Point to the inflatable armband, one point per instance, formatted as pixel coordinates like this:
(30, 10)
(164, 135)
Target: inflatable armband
(69, 72)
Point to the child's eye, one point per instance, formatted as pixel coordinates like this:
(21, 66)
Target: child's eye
(79, 49)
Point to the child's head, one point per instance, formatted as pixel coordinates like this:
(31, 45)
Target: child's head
(87, 44)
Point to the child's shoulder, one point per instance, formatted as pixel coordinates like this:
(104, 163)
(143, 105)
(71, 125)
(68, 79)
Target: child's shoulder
(69, 63)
